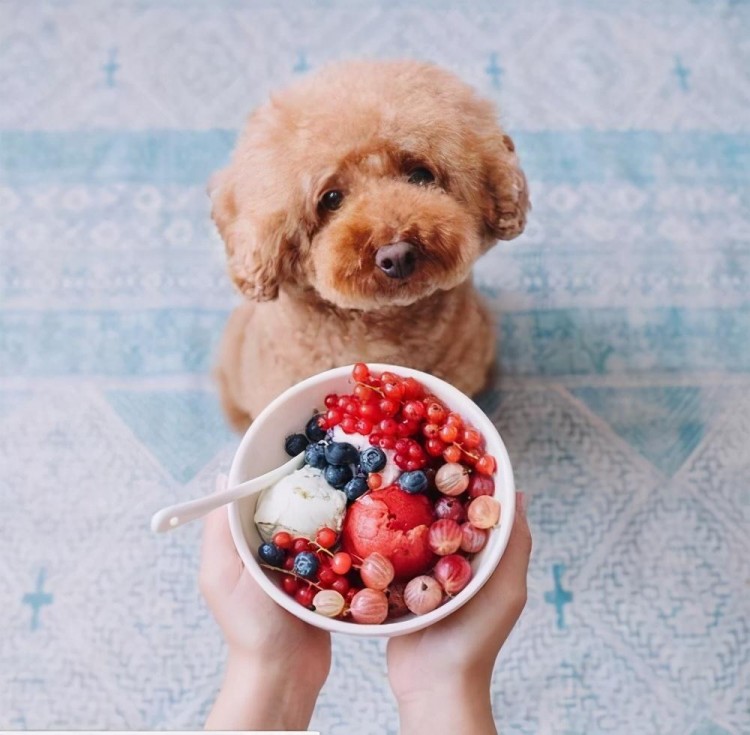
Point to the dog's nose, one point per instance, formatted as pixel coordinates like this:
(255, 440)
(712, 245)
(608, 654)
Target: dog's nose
(397, 260)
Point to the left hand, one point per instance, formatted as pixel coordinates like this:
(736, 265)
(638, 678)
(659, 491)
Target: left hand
(268, 646)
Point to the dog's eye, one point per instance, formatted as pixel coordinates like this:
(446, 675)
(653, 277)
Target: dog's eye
(421, 176)
(332, 200)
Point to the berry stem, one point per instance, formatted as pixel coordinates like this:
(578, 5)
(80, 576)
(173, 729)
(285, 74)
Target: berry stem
(371, 387)
(466, 452)
(322, 548)
(291, 573)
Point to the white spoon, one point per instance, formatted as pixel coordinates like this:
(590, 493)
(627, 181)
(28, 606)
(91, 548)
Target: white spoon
(174, 516)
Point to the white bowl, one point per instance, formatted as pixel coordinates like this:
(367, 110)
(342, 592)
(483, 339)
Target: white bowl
(262, 449)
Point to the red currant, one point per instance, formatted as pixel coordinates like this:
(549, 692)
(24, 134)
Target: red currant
(304, 595)
(375, 439)
(341, 562)
(394, 391)
(350, 594)
(468, 458)
(486, 464)
(389, 427)
(331, 400)
(327, 577)
(341, 403)
(341, 585)
(402, 445)
(387, 442)
(454, 419)
(349, 424)
(361, 372)
(326, 537)
(471, 438)
(363, 392)
(415, 451)
(435, 413)
(431, 431)
(413, 389)
(301, 544)
(289, 584)
(324, 559)
(401, 460)
(364, 427)
(452, 453)
(289, 563)
(369, 411)
(449, 433)
(333, 417)
(283, 540)
(413, 410)
(434, 447)
(414, 464)
(407, 427)
(388, 407)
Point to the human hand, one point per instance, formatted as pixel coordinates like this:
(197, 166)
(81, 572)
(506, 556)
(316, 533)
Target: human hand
(276, 663)
(441, 675)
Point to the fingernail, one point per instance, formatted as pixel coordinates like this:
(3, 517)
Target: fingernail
(521, 502)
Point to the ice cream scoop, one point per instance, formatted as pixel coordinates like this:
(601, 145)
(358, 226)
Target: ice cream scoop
(395, 524)
(301, 504)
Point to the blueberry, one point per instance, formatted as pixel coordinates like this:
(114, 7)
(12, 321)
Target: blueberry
(372, 459)
(295, 443)
(313, 431)
(271, 554)
(315, 455)
(337, 475)
(413, 482)
(341, 453)
(355, 487)
(306, 564)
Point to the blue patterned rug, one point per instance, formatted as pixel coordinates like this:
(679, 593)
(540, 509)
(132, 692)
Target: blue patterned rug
(624, 318)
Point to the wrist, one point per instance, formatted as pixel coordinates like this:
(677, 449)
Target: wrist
(459, 703)
(263, 694)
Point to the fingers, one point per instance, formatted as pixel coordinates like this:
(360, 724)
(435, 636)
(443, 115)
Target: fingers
(508, 582)
(220, 566)
(515, 560)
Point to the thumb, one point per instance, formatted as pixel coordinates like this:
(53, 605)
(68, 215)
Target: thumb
(508, 582)
(220, 564)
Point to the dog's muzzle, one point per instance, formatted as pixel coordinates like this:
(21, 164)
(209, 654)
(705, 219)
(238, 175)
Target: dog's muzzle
(397, 260)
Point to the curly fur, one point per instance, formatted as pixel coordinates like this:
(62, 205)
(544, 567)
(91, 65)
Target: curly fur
(316, 298)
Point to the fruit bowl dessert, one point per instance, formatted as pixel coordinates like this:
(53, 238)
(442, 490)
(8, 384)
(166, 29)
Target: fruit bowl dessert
(400, 512)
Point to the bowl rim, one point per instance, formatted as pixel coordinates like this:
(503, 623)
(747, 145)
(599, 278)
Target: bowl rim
(503, 477)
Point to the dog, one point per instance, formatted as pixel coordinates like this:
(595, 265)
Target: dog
(352, 211)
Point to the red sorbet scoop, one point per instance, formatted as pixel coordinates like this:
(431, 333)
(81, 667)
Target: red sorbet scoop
(394, 523)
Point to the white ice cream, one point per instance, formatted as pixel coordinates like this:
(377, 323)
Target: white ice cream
(301, 504)
(390, 472)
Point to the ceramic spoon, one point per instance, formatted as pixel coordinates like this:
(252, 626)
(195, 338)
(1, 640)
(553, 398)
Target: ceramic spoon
(174, 516)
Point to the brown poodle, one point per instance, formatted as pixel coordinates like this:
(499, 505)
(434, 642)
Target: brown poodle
(353, 210)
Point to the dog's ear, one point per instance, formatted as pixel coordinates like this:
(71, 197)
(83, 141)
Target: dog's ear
(507, 195)
(256, 242)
